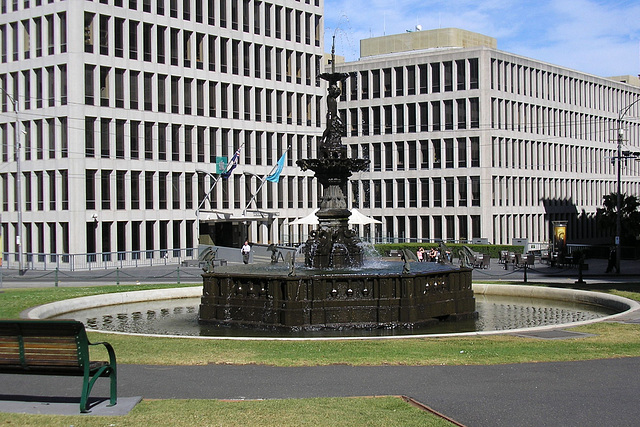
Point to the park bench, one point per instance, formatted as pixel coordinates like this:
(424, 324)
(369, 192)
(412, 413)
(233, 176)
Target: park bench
(54, 347)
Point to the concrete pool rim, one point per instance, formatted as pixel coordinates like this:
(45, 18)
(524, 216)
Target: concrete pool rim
(624, 306)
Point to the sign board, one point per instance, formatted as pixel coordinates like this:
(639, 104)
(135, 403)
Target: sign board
(519, 242)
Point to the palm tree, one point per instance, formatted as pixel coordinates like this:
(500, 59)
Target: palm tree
(606, 216)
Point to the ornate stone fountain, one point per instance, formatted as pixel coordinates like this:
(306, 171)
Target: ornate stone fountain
(335, 290)
(333, 244)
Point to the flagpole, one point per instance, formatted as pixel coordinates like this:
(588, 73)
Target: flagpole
(213, 186)
(253, 197)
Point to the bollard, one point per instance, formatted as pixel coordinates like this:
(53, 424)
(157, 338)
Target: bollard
(178, 269)
(525, 272)
(56, 277)
(580, 281)
(117, 276)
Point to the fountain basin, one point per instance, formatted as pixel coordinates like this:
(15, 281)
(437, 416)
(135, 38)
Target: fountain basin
(149, 311)
(336, 300)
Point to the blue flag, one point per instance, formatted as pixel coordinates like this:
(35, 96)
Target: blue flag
(232, 164)
(275, 176)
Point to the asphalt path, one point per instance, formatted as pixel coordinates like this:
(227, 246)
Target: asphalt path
(588, 393)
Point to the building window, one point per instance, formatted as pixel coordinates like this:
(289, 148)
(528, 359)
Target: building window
(88, 84)
(105, 152)
(475, 192)
(148, 190)
(148, 91)
(160, 48)
(146, 42)
(119, 37)
(462, 191)
(119, 92)
(135, 190)
(88, 33)
(148, 140)
(475, 152)
(133, 40)
(62, 22)
(89, 149)
(90, 189)
(134, 138)
(133, 90)
(473, 73)
(175, 102)
(173, 41)
(435, 77)
(104, 35)
(104, 86)
(105, 189)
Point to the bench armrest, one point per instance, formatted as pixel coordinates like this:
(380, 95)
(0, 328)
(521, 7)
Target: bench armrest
(112, 354)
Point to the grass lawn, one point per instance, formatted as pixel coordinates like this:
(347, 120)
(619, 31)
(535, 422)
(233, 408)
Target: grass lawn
(610, 340)
(379, 411)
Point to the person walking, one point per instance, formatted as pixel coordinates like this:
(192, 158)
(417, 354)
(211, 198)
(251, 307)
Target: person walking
(246, 251)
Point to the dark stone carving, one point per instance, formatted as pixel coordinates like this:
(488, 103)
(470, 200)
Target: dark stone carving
(333, 244)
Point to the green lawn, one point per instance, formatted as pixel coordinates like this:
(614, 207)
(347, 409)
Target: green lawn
(379, 411)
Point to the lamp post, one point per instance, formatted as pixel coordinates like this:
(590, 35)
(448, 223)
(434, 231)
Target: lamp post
(620, 155)
(16, 153)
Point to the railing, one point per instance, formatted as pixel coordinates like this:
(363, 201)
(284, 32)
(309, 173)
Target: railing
(95, 261)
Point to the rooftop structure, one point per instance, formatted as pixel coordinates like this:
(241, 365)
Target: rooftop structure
(420, 40)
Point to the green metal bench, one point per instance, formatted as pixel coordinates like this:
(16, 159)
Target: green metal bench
(54, 347)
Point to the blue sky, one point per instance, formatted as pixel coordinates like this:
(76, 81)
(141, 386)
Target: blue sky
(600, 37)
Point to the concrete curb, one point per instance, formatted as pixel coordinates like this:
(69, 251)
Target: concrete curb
(627, 308)
(60, 307)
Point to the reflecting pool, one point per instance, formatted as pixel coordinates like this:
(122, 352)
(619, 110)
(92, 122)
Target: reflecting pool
(180, 317)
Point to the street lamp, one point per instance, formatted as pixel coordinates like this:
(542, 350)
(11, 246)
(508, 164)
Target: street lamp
(16, 151)
(619, 158)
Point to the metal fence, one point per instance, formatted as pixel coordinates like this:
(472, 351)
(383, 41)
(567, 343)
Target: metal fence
(97, 261)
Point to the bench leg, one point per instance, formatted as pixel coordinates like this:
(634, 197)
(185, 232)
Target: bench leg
(87, 385)
(114, 387)
(86, 389)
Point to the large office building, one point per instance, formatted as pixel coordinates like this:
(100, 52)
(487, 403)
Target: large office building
(124, 110)
(124, 107)
(469, 142)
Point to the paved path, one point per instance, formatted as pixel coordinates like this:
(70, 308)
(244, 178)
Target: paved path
(590, 393)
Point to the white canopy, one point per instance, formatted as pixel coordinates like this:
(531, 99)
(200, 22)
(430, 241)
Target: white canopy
(359, 218)
(356, 218)
(310, 219)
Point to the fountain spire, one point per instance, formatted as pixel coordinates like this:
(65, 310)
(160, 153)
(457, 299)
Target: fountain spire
(333, 244)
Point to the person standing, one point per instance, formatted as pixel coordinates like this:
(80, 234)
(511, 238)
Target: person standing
(246, 251)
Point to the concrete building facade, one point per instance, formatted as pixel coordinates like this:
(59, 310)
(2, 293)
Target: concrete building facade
(476, 143)
(125, 106)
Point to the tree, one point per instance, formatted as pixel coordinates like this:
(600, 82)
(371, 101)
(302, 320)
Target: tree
(606, 216)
